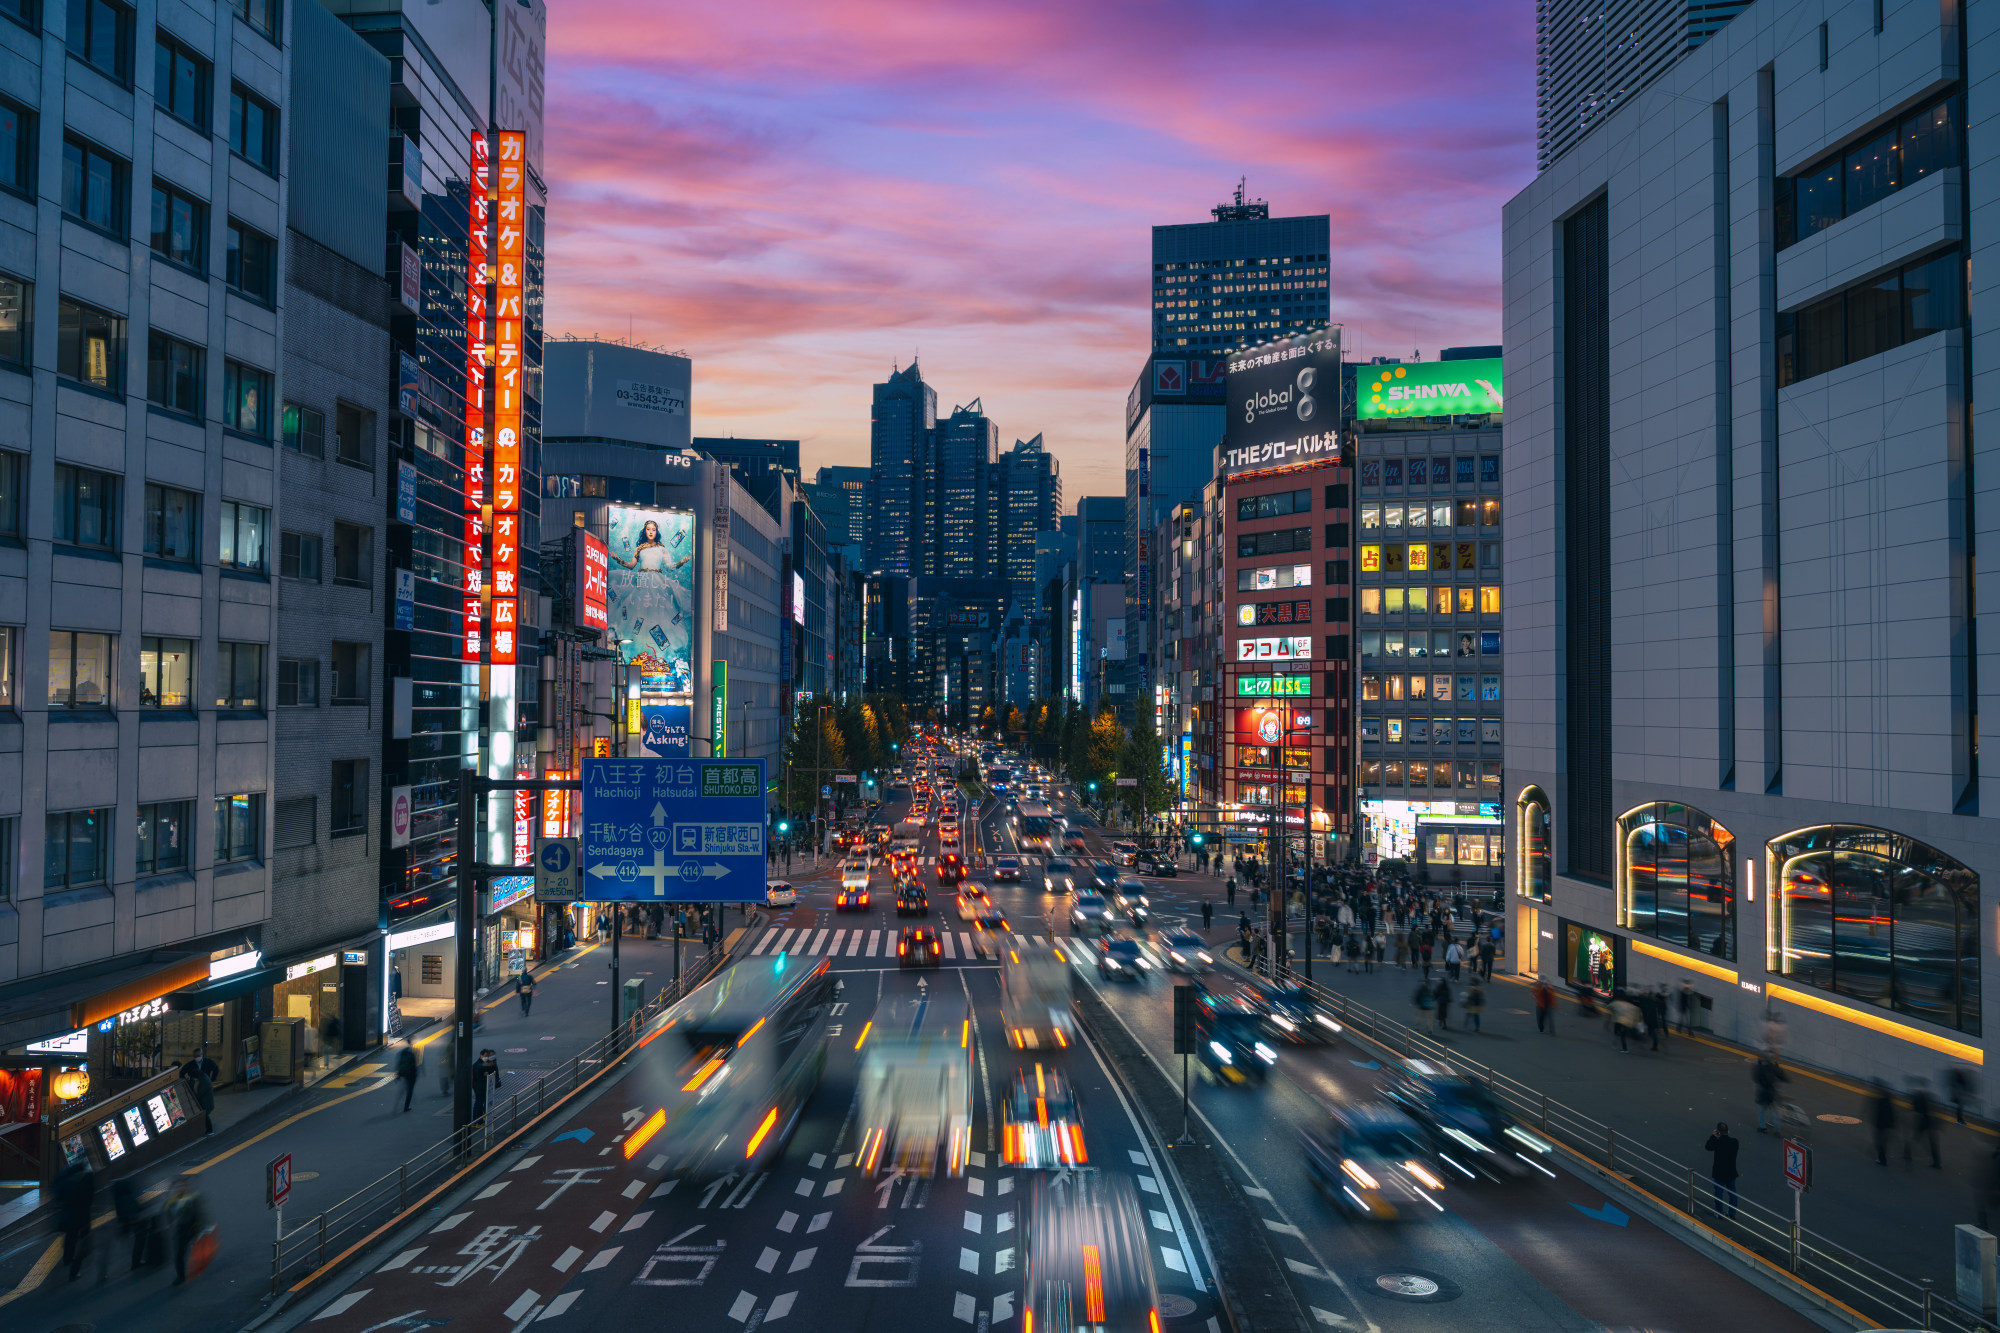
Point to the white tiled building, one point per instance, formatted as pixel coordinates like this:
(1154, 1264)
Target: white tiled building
(1745, 504)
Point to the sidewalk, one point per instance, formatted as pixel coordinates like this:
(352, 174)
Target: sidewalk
(343, 1133)
(1900, 1215)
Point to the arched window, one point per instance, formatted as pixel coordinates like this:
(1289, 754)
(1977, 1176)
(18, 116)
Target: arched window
(1879, 918)
(1533, 874)
(1677, 878)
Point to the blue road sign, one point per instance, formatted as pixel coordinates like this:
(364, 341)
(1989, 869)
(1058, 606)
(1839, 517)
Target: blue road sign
(673, 830)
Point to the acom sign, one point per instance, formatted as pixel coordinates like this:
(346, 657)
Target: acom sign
(1283, 400)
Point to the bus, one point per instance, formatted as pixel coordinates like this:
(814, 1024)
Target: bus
(1036, 827)
(998, 778)
(734, 1066)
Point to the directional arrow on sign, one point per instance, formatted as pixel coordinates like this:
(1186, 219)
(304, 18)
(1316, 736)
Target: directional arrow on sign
(1609, 1212)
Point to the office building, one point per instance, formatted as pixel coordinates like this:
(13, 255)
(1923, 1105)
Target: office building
(901, 437)
(1741, 735)
(1429, 593)
(751, 459)
(1593, 56)
(1026, 497)
(958, 507)
(139, 500)
(841, 494)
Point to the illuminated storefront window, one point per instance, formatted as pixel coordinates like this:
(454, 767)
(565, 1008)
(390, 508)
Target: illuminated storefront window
(1879, 918)
(1677, 878)
(1533, 877)
(1592, 958)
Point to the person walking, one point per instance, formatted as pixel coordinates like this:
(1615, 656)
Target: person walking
(1453, 956)
(136, 1222)
(187, 1218)
(75, 1188)
(1443, 989)
(1685, 999)
(1486, 952)
(1722, 1169)
(1475, 1003)
(449, 1064)
(1545, 1006)
(203, 1087)
(1624, 1021)
(1402, 951)
(1230, 887)
(1957, 1089)
(1207, 913)
(1766, 1075)
(406, 1070)
(525, 988)
(1923, 1124)
(1426, 1003)
(1650, 1016)
(1882, 1119)
(484, 1070)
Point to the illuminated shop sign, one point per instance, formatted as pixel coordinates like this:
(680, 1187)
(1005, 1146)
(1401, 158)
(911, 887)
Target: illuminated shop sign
(1295, 646)
(509, 274)
(481, 206)
(1265, 685)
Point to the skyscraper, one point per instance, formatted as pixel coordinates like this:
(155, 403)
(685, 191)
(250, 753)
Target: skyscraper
(1026, 496)
(958, 503)
(902, 424)
(844, 496)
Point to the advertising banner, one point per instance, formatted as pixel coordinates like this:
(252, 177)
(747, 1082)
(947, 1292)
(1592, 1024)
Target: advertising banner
(663, 730)
(474, 592)
(1295, 647)
(1429, 389)
(649, 597)
(1283, 404)
(590, 594)
(509, 278)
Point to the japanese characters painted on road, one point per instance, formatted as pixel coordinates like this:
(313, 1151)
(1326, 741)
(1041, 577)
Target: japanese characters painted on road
(673, 830)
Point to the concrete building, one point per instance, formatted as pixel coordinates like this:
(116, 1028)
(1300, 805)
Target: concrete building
(1026, 491)
(961, 539)
(1741, 738)
(901, 437)
(842, 495)
(140, 228)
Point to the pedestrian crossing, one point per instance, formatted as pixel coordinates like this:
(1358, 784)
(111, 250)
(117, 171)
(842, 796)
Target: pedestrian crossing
(806, 942)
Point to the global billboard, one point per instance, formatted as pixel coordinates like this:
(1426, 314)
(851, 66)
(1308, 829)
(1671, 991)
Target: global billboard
(1429, 389)
(1282, 402)
(650, 594)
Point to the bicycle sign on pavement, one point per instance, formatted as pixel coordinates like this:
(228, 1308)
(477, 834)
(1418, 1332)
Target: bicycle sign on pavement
(673, 830)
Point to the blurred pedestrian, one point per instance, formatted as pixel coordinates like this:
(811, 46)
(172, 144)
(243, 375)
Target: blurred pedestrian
(1443, 989)
(1923, 1124)
(1766, 1075)
(136, 1221)
(1624, 1021)
(525, 988)
(1686, 1000)
(1722, 1169)
(1453, 956)
(1882, 1119)
(75, 1187)
(1426, 1003)
(1545, 1006)
(448, 1065)
(1230, 887)
(406, 1070)
(1475, 1003)
(484, 1070)
(1958, 1089)
(187, 1218)
(1207, 913)
(203, 1087)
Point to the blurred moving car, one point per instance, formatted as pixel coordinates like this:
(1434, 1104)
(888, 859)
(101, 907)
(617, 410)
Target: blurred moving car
(1089, 1261)
(1007, 867)
(1291, 1013)
(1125, 853)
(851, 900)
(918, 947)
(1073, 841)
(1123, 958)
(913, 901)
(1187, 952)
(989, 932)
(1130, 901)
(780, 894)
(1158, 864)
(1089, 914)
(951, 868)
(971, 901)
(1470, 1130)
(1040, 1126)
(1057, 877)
(1035, 1000)
(854, 875)
(1229, 1038)
(1104, 876)
(915, 1086)
(1369, 1159)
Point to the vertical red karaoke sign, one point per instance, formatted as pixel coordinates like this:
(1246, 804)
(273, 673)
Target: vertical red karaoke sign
(475, 395)
(509, 273)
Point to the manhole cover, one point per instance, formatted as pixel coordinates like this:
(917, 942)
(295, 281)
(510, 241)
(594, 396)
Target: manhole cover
(1839, 1119)
(1406, 1284)
(517, 1050)
(1403, 1284)
(1175, 1307)
(305, 1175)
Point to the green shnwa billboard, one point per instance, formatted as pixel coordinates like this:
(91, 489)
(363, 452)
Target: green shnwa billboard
(1428, 389)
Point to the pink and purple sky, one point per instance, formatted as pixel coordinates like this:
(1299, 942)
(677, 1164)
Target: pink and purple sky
(803, 194)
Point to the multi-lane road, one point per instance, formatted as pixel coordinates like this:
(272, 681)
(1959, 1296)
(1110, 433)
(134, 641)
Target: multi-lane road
(573, 1232)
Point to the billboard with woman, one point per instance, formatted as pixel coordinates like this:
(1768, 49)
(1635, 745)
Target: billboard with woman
(650, 597)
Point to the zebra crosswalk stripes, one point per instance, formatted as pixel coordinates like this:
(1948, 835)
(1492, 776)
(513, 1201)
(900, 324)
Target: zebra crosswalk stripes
(831, 943)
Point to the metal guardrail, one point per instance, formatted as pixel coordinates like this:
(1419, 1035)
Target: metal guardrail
(1889, 1298)
(307, 1246)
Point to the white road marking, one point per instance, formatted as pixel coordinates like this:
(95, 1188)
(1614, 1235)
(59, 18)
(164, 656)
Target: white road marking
(786, 1221)
(1007, 1184)
(968, 1259)
(818, 940)
(1006, 1223)
(833, 1186)
(559, 1305)
(1148, 1184)
(601, 1258)
(343, 1305)
(1160, 1222)
(805, 1187)
(768, 1260)
(603, 1220)
(816, 1161)
(854, 944)
(842, 1162)
(1284, 1228)
(966, 943)
(781, 1305)
(974, 1185)
(522, 1304)
(631, 1191)
(525, 1162)
(1257, 1193)
(566, 1258)
(664, 1187)
(400, 1260)
(950, 949)
(1173, 1259)
(1003, 1307)
(874, 942)
(656, 1162)
(839, 937)
(740, 1311)
(450, 1222)
(1003, 1262)
(1138, 1158)
(962, 1306)
(818, 1223)
(637, 1220)
(1326, 1317)
(973, 1222)
(803, 1259)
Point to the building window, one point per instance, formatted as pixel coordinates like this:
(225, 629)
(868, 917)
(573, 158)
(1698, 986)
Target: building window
(1906, 152)
(350, 674)
(93, 185)
(353, 554)
(14, 320)
(86, 507)
(10, 832)
(298, 682)
(173, 374)
(239, 675)
(1534, 875)
(305, 431)
(239, 828)
(250, 266)
(13, 474)
(1489, 599)
(298, 557)
(1273, 506)
(350, 797)
(246, 399)
(166, 673)
(90, 346)
(243, 534)
(100, 34)
(1926, 297)
(1879, 918)
(180, 227)
(296, 823)
(1273, 543)
(172, 524)
(1677, 878)
(259, 14)
(353, 434)
(163, 838)
(180, 82)
(17, 144)
(253, 128)
(1489, 469)
(77, 850)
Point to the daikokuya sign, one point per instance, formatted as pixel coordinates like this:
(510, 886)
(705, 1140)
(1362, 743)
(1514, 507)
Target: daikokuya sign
(1283, 403)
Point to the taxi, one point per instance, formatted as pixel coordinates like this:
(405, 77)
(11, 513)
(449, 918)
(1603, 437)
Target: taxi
(851, 900)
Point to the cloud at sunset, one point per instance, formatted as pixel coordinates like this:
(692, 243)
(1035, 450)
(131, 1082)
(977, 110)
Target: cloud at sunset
(802, 195)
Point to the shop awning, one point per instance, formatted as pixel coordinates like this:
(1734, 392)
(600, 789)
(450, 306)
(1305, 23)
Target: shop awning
(38, 1008)
(208, 992)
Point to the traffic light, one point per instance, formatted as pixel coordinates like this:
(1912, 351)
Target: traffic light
(784, 826)
(1195, 839)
